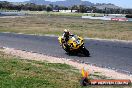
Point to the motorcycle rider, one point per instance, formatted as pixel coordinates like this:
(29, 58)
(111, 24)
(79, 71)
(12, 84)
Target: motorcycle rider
(66, 35)
(65, 38)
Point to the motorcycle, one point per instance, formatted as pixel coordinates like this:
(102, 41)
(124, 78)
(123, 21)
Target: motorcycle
(75, 45)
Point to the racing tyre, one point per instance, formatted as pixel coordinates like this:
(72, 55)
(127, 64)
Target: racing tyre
(85, 52)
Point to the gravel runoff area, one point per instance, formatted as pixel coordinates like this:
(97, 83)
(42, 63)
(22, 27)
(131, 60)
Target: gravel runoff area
(40, 57)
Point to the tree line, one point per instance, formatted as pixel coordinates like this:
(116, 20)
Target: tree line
(80, 8)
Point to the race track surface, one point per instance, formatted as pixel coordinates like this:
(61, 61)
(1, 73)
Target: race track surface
(110, 54)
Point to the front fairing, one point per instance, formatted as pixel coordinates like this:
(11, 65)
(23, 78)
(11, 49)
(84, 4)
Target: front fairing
(75, 42)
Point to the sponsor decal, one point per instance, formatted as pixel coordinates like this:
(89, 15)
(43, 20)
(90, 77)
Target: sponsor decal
(85, 81)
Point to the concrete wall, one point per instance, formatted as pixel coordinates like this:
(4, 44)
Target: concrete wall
(108, 18)
(67, 11)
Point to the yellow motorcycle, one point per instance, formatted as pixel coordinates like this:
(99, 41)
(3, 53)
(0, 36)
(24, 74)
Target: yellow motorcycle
(75, 45)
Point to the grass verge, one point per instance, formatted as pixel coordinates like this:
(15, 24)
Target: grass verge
(56, 24)
(60, 13)
(18, 73)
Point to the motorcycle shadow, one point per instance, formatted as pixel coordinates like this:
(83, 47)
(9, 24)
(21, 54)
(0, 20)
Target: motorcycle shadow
(76, 54)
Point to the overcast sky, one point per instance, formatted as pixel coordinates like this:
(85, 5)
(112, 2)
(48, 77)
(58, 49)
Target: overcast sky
(122, 3)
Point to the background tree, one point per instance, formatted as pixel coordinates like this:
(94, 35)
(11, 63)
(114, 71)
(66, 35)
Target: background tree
(49, 8)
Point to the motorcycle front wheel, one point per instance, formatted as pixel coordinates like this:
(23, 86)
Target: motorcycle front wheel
(85, 51)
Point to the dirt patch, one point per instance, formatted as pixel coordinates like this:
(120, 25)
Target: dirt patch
(92, 69)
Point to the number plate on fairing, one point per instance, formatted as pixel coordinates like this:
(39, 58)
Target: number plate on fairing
(78, 42)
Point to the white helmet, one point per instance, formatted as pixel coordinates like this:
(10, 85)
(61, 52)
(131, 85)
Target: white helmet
(66, 30)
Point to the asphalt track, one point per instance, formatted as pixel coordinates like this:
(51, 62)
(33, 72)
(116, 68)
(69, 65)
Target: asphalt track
(110, 54)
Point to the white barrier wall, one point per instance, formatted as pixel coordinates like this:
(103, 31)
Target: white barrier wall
(67, 11)
(100, 18)
(108, 18)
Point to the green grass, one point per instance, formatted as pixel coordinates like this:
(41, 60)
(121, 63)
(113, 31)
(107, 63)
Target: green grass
(53, 13)
(44, 13)
(18, 73)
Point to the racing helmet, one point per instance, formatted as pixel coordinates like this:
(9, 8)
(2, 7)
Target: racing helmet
(66, 31)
